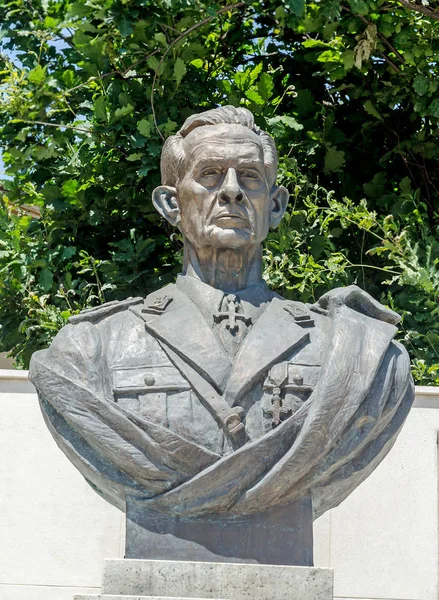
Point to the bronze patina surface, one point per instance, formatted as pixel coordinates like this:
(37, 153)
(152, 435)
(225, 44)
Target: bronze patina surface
(214, 408)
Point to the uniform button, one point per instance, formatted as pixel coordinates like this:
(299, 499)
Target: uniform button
(149, 380)
(298, 379)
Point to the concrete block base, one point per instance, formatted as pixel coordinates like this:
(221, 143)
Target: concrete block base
(131, 579)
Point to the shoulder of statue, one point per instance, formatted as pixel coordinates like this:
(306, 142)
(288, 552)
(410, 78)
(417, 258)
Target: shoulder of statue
(97, 313)
(357, 299)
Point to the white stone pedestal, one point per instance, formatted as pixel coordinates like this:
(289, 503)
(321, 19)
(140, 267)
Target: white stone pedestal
(131, 579)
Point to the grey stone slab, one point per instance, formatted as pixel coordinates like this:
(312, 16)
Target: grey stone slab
(112, 597)
(108, 597)
(282, 536)
(230, 581)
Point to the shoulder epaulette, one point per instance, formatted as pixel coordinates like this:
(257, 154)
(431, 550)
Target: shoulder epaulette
(105, 310)
(299, 312)
(157, 302)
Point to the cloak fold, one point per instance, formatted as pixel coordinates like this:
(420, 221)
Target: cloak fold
(327, 448)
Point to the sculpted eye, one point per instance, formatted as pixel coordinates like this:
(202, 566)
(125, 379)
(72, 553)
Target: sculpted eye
(250, 174)
(211, 172)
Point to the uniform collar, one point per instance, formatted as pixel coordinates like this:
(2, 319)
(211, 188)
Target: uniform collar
(254, 299)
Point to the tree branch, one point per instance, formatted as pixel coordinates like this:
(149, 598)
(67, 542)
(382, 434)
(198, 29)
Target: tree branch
(390, 62)
(420, 8)
(115, 72)
(58, 125)
(75, 128)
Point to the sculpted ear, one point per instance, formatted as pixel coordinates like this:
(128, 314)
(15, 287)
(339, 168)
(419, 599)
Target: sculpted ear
(278, 204)
(164, 199)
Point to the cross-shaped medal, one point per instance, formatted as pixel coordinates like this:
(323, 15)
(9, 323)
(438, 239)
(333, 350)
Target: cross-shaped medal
(231, 313)
(277, 412)
(277, 377)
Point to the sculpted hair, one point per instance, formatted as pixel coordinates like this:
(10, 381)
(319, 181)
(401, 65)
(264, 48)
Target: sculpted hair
(173, 155)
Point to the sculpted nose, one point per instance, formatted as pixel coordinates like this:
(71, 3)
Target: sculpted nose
(231, 190)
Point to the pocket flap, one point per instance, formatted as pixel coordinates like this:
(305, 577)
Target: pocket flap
(138, 380)
(302, 377)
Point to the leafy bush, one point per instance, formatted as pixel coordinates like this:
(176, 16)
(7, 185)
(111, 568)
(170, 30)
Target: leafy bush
(88, 92)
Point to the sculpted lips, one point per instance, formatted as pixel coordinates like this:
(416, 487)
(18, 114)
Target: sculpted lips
(231, 219)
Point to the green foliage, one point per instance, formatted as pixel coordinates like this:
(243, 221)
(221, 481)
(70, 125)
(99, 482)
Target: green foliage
(311, 252)
(89, 91)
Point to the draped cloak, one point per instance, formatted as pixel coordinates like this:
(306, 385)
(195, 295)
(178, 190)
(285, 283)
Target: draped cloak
(120, 406)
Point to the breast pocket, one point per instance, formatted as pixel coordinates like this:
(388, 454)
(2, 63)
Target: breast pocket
(295, 381)
(144, 390)
(302, 378)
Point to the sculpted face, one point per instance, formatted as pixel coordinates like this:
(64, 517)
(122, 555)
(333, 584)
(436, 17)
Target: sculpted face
(223, 199)
(224, 196)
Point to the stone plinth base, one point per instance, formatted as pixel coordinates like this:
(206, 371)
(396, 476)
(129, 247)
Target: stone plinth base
(282, 536)
(129, 579)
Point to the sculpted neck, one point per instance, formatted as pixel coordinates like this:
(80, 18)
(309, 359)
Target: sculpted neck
(229, 270)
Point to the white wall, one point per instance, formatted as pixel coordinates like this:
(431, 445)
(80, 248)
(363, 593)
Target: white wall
(383, 540)
(55, 531)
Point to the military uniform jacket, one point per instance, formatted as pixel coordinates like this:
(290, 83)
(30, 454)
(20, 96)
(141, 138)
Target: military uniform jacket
(145, 401)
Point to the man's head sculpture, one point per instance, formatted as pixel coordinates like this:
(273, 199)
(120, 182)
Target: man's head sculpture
(214, 401)
(219, 180)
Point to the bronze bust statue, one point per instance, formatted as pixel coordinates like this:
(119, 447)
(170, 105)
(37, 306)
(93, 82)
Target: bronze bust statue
(214, 410)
